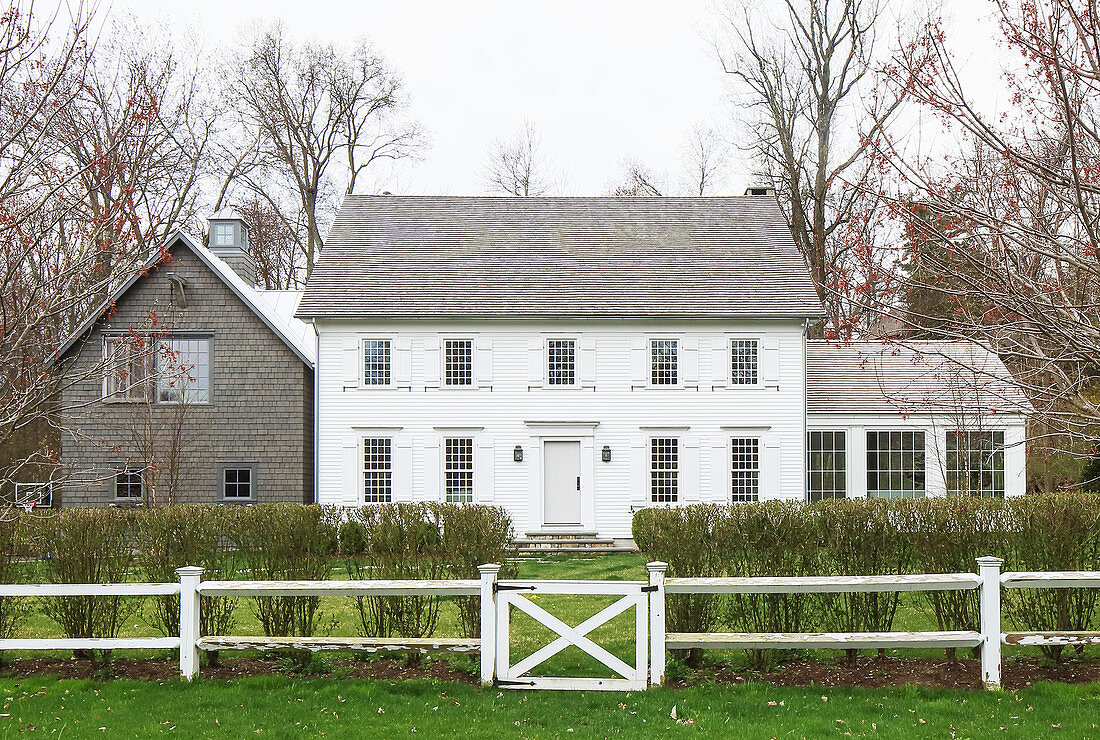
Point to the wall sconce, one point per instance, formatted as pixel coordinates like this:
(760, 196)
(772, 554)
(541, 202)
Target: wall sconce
(517, 454)
(605, 453)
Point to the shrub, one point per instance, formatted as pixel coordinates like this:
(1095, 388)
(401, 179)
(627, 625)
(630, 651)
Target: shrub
(12, 608)
(1053, 532)
(171, 537)
(87, 546)
(353, 541)
(471, 536)
(286, 542)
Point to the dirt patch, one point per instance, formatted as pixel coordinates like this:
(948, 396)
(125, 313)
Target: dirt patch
(153, 669)
(883, 672)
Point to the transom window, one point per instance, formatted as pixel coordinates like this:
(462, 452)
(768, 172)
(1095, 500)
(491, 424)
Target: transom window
(744, 368)
(664, 362)
(129, 367)
(458, 470)
(183, 371)
(237, 483)
(561, 360)
(744, 469)
(376, 362)
(895, 464)
(458, 357)
(377, 470)
(223, 234)
(128, 483)
(664, 470)
(976, 463)
(828, 462)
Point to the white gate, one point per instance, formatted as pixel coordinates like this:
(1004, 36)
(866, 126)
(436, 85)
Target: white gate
(515, 593)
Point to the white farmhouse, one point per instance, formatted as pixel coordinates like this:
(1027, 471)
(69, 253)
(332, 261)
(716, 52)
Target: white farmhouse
(570, 359)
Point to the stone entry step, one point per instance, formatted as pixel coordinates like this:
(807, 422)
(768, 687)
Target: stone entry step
(549, 542)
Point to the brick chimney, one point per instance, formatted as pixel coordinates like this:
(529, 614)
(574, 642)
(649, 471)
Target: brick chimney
(228, 241)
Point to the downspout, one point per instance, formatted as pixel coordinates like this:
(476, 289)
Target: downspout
(316, 409)
(805, 415)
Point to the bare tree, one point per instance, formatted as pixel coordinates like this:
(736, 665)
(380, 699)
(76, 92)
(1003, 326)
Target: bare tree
(308, 105)
(805, 77)
(517, 166)
(705, 158)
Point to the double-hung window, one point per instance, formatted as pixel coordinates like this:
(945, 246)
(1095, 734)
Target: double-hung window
(744, 361)
(129, 362)
(895, 464)
(377, 362)
(458, 362)
(237, 484)
(976, 463)
(828, 463)
(129, 484)
(744, 469)
(377, 470)
(458, 470)
(664, 362)
(561, 362)
(664, 470)
(183, 370)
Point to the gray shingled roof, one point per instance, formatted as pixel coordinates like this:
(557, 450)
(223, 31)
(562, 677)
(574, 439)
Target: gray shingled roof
(914, 377)
(397, 256)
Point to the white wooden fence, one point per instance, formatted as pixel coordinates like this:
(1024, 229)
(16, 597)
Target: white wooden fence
(648, 601)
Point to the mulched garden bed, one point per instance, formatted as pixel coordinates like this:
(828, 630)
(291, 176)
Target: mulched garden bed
(882, 672)
(869, 672)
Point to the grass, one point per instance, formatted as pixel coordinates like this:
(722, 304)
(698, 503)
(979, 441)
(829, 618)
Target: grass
(279, 707)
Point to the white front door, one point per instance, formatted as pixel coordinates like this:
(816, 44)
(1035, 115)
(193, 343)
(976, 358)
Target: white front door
(561, 482)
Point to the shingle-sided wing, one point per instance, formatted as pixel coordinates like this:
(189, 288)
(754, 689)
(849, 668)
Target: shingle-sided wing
(392, 256)
(910, 378)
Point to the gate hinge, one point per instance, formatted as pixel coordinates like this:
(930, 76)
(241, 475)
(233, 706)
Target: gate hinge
(649, 589)
(508, 587)
(501, 682)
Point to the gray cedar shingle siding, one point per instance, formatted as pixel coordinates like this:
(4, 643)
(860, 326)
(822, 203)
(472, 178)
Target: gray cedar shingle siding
(472, 257)
(917, 377)
(261, 409)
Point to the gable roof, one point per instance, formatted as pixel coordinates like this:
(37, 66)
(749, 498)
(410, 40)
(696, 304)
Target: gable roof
(613, 257)
(276, 311)
(918, 377)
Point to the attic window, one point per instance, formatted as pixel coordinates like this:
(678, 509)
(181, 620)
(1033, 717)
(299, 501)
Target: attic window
(223, 235)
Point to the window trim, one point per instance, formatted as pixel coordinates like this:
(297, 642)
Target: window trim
(109, 396)
(472, 340)
(127, 468)
(730, 339)
(917, 493)
(650, 492)
(744, 434)
(362, 466)
(458, 434)
(679, 340)
(546, 361)
(847, 493)
(186, 336)
(252, 469)
(949, 473)
(390, 364)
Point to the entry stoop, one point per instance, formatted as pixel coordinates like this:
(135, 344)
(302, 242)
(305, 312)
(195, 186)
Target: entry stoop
(551, 542)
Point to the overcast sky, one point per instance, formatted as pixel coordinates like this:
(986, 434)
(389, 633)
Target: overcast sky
(602, 80)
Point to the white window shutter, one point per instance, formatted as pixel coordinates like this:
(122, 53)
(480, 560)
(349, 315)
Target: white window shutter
(484, 469)
(432, 372)
(432, 472)
(352, 477)
(770, 362)
(536, 372)
(639, 473)
(719, 364)
(351, 362)
(402, 470)
(483, 361)
(770, 478)
(402, 362)
(586, 362)
(691, 364)
(639, 362)
(690, 473)
(720, 472)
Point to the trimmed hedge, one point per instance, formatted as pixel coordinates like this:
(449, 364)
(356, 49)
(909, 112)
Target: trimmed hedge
(856, 537)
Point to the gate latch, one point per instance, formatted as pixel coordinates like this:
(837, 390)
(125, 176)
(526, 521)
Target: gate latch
(498, 586)
(501, 682)
(649, 589)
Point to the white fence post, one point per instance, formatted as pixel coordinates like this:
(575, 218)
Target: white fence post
(657, 622)
(189, 576)
(989, 595)
(488, 621)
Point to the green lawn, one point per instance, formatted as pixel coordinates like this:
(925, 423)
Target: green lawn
(279, 707)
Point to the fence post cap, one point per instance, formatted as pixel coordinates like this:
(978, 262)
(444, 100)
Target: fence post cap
(989, 560)
(657, 566)
(488, 568)
(190, 570)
